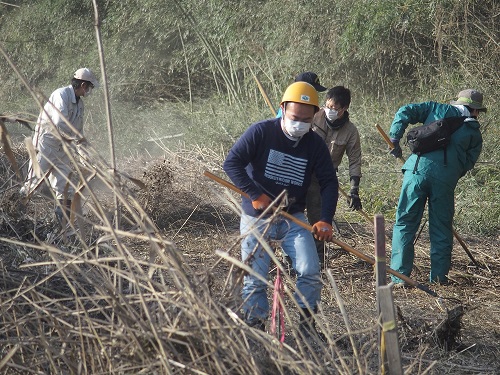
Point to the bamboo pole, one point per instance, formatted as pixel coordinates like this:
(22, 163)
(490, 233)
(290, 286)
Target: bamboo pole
(263, 92)
(107, 105)
(109, 125)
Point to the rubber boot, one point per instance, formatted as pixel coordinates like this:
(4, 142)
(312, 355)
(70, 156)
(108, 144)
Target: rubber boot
(307, 325)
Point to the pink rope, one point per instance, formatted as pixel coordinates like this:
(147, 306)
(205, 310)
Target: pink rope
(278, 296)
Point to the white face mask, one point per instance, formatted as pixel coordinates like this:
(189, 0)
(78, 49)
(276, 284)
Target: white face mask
(296, 129)
(331, 114)
(88, 92)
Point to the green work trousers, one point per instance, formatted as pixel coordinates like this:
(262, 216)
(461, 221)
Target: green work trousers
(417, 189)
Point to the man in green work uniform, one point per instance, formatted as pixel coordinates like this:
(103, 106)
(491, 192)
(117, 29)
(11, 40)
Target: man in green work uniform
(432, 179)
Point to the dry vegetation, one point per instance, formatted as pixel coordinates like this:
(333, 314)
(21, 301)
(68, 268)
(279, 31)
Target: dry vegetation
(156, 295)
(155, 289)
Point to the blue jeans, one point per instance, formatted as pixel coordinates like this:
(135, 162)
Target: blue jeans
(298, 244)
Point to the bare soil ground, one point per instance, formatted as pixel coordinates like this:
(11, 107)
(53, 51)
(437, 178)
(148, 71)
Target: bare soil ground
(200, 225)
(199, 219)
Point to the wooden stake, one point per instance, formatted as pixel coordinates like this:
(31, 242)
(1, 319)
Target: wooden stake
(389, 342)
(389, 354)
(380, 266)
(380, 279)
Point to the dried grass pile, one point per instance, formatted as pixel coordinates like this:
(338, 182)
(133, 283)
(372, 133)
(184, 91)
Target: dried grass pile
(96, 299)
(160, 293)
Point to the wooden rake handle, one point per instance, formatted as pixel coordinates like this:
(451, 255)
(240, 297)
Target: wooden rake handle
(385, 136)
(343, 245)
(388, 141)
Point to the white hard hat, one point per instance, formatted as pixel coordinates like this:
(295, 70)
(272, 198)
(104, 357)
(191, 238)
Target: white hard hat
(85, 74)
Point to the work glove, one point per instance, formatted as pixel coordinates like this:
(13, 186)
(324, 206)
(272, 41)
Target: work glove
(396, 151)
(354, 201)
(262, 202)
(322, 231)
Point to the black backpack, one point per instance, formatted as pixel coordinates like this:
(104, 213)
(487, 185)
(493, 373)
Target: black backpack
(433, 136)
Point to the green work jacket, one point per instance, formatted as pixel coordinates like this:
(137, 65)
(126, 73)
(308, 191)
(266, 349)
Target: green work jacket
(462, 152)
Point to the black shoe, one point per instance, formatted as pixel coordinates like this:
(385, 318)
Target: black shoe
(307, 326)
(309, 331)
(256, 323)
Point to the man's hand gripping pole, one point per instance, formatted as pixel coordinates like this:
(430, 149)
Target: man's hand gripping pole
(343, 245)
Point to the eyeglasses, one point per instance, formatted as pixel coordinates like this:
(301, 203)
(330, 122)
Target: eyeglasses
(333, 108)
(330, 104)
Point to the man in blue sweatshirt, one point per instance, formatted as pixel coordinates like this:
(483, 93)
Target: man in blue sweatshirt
(271, 156)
